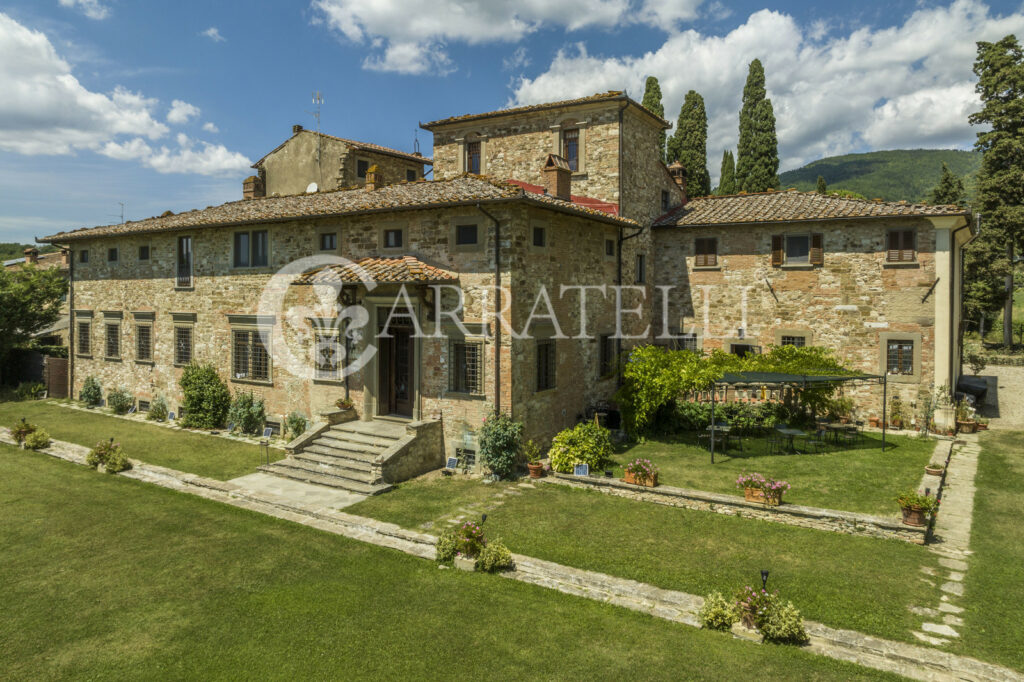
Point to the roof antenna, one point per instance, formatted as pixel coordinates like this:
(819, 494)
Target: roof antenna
(318, 99)
(416, 142)
(123, 204)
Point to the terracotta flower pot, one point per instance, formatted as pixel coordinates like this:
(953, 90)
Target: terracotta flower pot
(915, 516)
(536, 470)
(874, 422)
(649, 483)
(934, 470)
(967, 427)
(757, 495)
(982, 427)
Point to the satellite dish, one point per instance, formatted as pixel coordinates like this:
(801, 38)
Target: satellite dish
(312, 188)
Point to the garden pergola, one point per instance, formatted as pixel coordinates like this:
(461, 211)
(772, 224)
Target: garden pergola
(776, 380)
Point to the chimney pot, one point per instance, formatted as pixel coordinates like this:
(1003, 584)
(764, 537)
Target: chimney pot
(678, 173)
(253, 187)
(31, 255)
(557, 178)
(374, 178)
(297, 128)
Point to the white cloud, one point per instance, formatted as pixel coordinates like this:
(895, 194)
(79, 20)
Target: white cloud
(46, 111)
(408, 36)
(517, 60)
(213, 33)
(181, 112)
(90, 8)
(211, 127)
(905, 86)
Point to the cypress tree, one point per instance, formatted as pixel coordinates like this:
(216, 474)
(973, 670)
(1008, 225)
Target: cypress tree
(757, 163)
(823, 188)
(689, 144)
(652, 103)
(727, 176)
(950, 189)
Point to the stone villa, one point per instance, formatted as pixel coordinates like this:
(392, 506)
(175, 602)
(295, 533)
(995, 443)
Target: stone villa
(563, 198)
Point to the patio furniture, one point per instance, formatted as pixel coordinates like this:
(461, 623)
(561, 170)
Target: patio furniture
(717, 432)
(790, 434)
(776, 443)
(849, 436)
(815, 442)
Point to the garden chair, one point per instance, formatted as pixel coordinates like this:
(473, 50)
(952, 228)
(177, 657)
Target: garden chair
(776, 443)
(816, 441)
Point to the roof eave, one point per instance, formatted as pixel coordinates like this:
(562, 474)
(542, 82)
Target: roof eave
(457, 120)
(812, 220)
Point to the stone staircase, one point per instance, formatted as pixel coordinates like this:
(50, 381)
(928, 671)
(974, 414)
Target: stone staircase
(344, 456)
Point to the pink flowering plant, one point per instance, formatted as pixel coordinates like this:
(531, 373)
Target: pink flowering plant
(643, 470)
(754, 605)
(469, 539)
(767, 485)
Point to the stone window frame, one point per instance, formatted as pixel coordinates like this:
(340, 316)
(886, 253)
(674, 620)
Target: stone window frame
(613, 238)
(714, 264)
(808, 334)
(83, 256)
(453, 233)
(114, 251)
(83, 318)
(257, 326)
(112, 319)
(250, 266)
(329, 328)
(478, 342)
(883, 347)
(889, 261)
(187, 322)
(780, 257)
(546, 231)
(144, 319)
(463, 142)
(369, 164)
(149, 254)
(328, 231)
(415, 175)
(543, 334)
(640, 274)
(191, 262)
(581, 143)
(384, 228)
(606, 361)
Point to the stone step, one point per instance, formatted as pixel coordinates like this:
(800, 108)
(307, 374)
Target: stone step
(340, 443)
(371, 440)
(334, 460)
(360, 456)
(366, 477)
(378, 428)
(330, 481)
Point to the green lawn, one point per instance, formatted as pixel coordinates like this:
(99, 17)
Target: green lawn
(195, 453)
(994, 583)
(844, 581)
(860, 480)
(109, 578)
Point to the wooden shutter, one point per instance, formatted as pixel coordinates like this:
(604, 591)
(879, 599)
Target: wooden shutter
(907, 247)
(893, 253)
(817, 255)
(776, 249)
(706, 248)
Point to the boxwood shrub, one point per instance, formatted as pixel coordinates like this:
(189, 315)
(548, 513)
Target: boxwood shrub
(585, 443)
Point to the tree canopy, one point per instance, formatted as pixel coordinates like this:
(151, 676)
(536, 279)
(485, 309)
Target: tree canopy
(689, 144)
(757, 161)
(821, 187)
(30, 298)
(727, 176)
(950, 189)
(652, 103)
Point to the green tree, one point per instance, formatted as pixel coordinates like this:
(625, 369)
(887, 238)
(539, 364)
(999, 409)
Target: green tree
(822, 187)
(950, 189)
(30, 298)
(727, 176)
(757, 159)
(689, 144)
(652, 103)
(999, 67)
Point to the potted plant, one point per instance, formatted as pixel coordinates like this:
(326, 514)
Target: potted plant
(757, 488)
(874, 422)
(841, 409)
(982, 424)
(917, 508)
(896, 412)
(965, 417)
(533, 464)
(752, 605)
(934, 469)
(343, 403)
(641, 472)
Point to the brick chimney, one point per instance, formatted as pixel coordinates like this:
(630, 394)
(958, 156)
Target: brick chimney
(374, 178)
(296, 129)
(31, 255)
(65, 257)
(253, 187)
(678, 173)
(557, 177)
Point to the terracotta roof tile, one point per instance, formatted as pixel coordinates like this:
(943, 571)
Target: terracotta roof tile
(368, 146)
(587, 202)
(466, 189)
(396, 270)
(790, 206)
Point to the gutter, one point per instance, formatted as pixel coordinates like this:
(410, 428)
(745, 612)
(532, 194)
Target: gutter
(497, 307)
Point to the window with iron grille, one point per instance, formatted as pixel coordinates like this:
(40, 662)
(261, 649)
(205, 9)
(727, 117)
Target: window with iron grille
(184, 278)
(473, 157)
(609, 247)
(606, 348)
(545, 364)
(798, 341)
(901, 246)
(182, 345)
(900, 357)
(686, 341)
(410, 175)
(571, 148)
(249, 357)
(143, 406)
(327, 358)
(84, 338)
(251, 249)
(464, 371)
(144, 342)
(706, 252)
(113, 345)
(540, 237)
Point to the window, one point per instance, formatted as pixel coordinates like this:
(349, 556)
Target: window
(706, 250)
(902, 247)
(571, 148)
(606, 343)
(392, 239)
(250, 249)
(184, 278)
(798, 341)
(641, 268)
(410, 175)
(84, 338)
(900, 356)
(83, 256)
(664, 201)
(609, 247)
(465, 375)
(327, 358)
(143, 406)
(545, 364)
(144, 342)
(744, 349)
(473, 157)
(465, 235)
(362, 168)
(687, 341)
(182, 345)
(797, 249)
(328, 241)
(249, 357)
(112, 255)
(113, 345)
(540, 237)
(144, 252)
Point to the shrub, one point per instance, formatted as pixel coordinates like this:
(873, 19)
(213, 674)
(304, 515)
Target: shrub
(117, 461)
(207, 398)
(247, 413)
(915, 500)
(21, 430)
(447, 546)
(500, 442)
(158, 410)
(783, 624)
(469, 539)
(92, 392)
(977, 363)
(37, 440)
(32, 390)
(531, 451)
(120, 400)
(585, 443)
(101, 453)
(717, 613)
(494, 557)
(295, 424)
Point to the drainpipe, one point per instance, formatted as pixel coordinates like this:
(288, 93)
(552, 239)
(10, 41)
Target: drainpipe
(72, 324)
(497, 307)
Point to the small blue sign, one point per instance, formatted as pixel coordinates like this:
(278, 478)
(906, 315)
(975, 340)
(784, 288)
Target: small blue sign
(131, 410)
(581, 470)
(170, 415)
(231, 427)
(267, 432)
(452, 463)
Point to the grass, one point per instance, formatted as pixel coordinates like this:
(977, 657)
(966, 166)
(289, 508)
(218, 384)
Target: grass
(844, 581)
(860, 480)
(105, 577)
(196, 453)
(993, 628)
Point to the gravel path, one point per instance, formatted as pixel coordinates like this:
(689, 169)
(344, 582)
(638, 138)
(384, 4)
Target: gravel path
(1003, 404)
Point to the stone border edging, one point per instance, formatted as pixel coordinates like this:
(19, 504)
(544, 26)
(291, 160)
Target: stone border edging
(847, 645)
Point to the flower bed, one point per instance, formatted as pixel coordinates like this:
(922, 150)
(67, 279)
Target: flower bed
(757, 488)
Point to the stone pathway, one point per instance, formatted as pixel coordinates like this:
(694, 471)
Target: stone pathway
(306, 493)
(905, 659)
(1005, 384)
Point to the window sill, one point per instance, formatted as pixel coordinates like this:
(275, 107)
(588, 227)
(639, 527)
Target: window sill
(707, 268)
(903, 378)
(901, 264)
(542, 391)
(579, 176)
(798, 266)
(111, 359)
(145, 362)
(326, 382)
(84, 356)
(464, 396)
(190, 287)
(256, 382)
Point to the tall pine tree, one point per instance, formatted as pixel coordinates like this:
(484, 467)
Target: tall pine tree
(652, 103)
(727, 176)
(950, 189)
(823, 186)
(999, 67)
(689, 144)
(757, 162)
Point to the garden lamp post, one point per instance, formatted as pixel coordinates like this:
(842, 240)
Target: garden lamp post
(764, 578)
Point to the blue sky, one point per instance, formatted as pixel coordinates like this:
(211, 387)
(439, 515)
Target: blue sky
(164, 105)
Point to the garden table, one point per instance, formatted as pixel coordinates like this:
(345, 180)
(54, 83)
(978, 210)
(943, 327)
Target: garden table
(720, 432)
(790, 434)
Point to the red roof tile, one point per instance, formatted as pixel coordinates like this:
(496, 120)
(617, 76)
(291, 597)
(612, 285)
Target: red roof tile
(587, 202)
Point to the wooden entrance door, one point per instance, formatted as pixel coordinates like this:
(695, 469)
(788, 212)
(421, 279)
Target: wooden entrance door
(395, 363)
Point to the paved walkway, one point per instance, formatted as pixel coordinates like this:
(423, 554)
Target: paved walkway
(1002, 403)
(299, 491)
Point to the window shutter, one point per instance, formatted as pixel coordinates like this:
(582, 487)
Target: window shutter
(907, 248)
(776, 249)
(700, 260)
(712, 251)
(817, 250)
